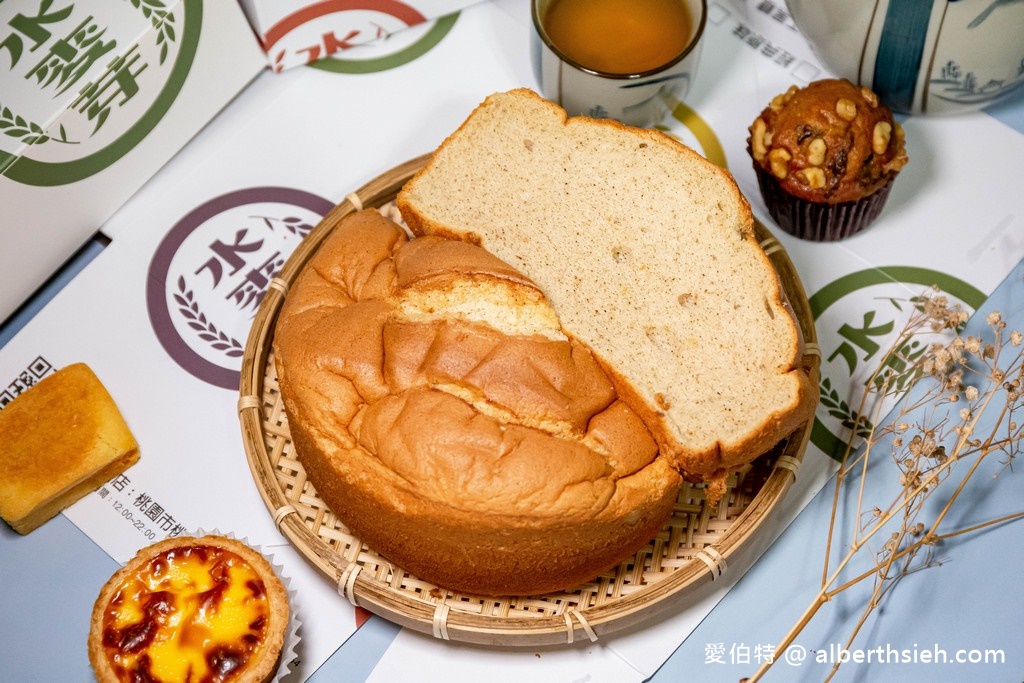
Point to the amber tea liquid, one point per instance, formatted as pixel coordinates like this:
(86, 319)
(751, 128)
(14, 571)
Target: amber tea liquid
(619, 36)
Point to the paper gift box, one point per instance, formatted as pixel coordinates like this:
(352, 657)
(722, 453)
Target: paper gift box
(297, 32)
(95, 96)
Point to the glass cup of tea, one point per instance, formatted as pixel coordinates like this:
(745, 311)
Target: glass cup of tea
(627, 60)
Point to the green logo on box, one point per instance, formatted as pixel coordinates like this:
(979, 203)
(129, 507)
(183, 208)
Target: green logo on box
(311, 35)
(53, 48)
(852, 340)
(438, 30)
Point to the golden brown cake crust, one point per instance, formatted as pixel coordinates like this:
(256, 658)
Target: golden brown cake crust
(830, 141)
(443, 416)
(61, 439)
(219, 552)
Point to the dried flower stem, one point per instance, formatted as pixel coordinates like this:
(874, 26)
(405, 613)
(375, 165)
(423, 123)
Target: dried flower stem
(911, 549)
(923, 462)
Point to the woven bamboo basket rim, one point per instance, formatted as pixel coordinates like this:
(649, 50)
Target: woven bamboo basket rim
(641, 587)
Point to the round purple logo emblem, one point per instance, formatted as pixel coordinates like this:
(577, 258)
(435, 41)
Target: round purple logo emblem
(210, 273)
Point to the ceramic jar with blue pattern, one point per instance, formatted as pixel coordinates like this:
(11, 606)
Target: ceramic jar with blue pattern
(920, 56)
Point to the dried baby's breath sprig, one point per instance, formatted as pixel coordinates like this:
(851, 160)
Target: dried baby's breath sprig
(930, 442)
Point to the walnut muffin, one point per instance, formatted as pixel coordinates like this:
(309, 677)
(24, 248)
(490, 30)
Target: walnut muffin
(825, 156)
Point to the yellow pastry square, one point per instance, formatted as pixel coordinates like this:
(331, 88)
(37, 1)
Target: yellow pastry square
(61, 439)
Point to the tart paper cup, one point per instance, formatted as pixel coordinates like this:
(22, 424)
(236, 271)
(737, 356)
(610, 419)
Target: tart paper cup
(289, 657)
(819, 221)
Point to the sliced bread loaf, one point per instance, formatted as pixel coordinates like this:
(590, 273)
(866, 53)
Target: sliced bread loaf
(647, 252)
(441, 414)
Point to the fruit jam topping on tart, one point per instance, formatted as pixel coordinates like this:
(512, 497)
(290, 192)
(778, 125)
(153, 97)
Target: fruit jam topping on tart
(191, 613)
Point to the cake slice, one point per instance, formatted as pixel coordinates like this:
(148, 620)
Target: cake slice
(647, 252)
(62, 438)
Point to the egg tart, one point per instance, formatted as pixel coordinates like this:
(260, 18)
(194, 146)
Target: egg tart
(190, 609)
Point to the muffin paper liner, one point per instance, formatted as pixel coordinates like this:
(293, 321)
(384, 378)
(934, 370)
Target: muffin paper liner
(819, 221)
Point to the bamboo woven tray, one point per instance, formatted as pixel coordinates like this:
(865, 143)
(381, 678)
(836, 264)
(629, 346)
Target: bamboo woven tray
(693, 548)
